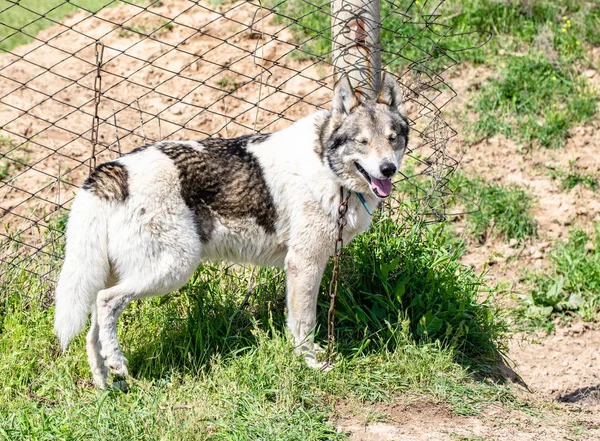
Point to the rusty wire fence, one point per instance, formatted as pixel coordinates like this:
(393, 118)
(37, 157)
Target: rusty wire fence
(110, 76)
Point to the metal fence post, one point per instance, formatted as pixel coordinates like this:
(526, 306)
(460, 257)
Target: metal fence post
(356, 35)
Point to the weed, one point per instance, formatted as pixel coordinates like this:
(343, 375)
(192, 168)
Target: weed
(406, 41)
(168, 26)
(570, 179)
(411, 277)
(533, 101)
(14, 160)
(537, 95)
(496, 210)
(574, 281)
(4, 171)
(227, 83)
(515, 26)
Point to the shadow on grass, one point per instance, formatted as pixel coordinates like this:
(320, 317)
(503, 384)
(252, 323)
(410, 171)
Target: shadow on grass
(205, 319)
(398, 284)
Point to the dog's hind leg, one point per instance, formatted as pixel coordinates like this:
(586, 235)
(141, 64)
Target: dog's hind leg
(93, 347)
(169, 272)
(110, 303)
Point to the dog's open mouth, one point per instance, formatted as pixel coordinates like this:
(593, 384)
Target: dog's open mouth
(381, 187)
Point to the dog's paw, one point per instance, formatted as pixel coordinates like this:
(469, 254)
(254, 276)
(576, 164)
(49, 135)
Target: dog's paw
(117, 365)
(317, 349)
(312, 361)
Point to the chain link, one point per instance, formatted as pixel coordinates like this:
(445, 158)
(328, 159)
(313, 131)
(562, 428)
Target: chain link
(97, 94)
(333, 285)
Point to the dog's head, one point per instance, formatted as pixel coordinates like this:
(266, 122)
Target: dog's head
(364, 141)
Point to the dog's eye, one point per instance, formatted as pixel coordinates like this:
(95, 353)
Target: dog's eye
(362, 141)
(392, 136)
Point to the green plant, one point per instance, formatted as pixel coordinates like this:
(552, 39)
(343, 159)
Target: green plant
(411, 276)
(495, 210)
(14, 160)
(227, 83)
(570, 179)
(202, 372)
(407, 39)
(20, 21)
(573, 284)
(532, 100)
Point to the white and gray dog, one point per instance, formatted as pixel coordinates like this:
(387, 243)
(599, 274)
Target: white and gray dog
(141, 224)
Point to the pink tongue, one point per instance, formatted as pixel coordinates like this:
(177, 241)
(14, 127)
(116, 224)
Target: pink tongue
(383, 187)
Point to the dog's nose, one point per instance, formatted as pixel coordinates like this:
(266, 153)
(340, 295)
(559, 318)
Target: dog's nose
(387, 169)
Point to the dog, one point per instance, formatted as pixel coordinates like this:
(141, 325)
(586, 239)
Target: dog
(141, 224)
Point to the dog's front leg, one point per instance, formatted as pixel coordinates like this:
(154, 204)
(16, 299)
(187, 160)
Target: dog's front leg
(304, 273)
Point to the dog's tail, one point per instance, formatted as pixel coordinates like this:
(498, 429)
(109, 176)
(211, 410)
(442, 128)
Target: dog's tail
(86, 265)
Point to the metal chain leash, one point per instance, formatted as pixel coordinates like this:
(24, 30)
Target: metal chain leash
(333, 285)
(97, 94)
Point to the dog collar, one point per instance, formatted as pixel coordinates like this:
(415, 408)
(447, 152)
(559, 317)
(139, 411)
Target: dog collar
(362, 199)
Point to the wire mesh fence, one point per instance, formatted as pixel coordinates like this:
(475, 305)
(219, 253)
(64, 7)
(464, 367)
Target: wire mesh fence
(112, 76)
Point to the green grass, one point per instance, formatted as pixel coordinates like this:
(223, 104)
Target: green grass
(495, 210)
(13, 162)
(412, 277)
(558, 27)
(573, 283)
(405, 41)
(572, 178)
(227, 83)
(536, 95)
(19, 23)
(408, 322)
(532, 101)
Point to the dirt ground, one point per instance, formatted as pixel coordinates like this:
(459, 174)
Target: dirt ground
(562, 369)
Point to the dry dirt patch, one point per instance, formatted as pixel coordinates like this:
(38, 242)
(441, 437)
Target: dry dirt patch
(564, 366)
(423, 420)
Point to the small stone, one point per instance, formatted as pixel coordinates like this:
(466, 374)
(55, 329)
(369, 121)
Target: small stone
(513, 243)
(590, 246)
(537, 255)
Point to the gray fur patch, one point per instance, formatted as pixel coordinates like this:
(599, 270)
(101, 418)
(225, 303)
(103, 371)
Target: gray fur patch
(222, 179)
(339, 141)
(109, 182)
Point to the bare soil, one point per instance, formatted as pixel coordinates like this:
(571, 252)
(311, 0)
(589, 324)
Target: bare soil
(48, 111)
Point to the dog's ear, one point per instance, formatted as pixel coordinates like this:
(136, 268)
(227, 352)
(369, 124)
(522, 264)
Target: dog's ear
(390, 92)
(344, 98)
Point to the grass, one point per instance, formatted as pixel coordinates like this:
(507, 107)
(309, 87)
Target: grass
(537, 94)
(572, 178)
(12, 162)
(558, 27)
(411, 39)
(533, 101)
(573, 283)
(20, 22)
(413, 278)
(496, 210)
(409, 322)
(227, 83)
